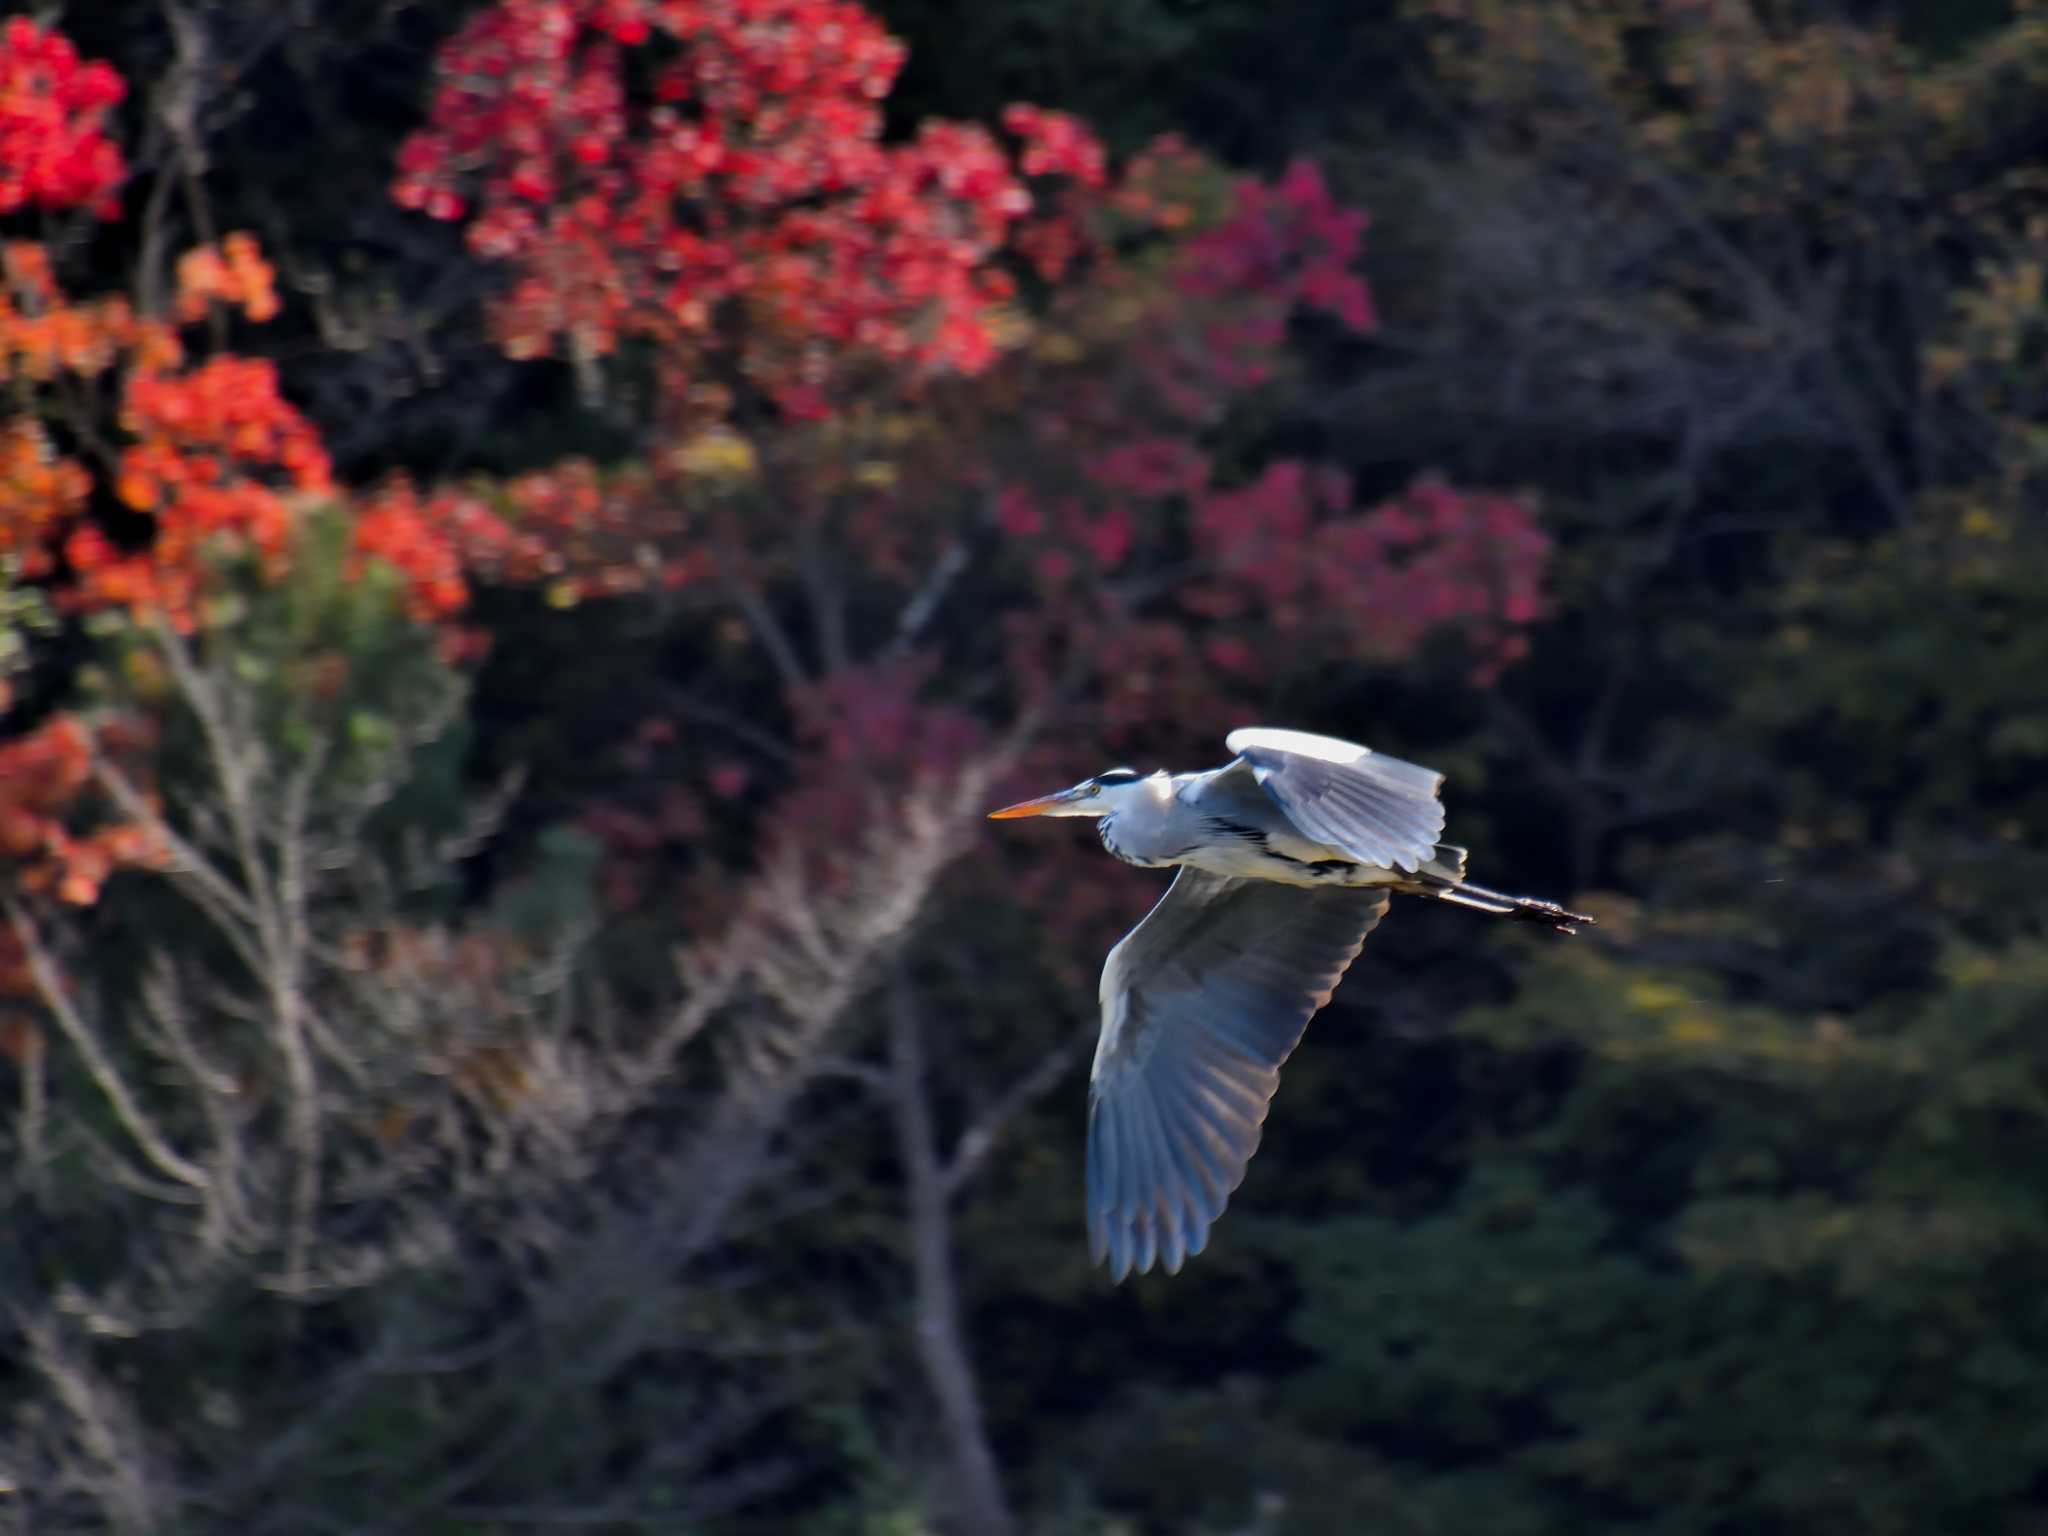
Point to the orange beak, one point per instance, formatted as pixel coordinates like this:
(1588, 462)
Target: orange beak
(1036, 807)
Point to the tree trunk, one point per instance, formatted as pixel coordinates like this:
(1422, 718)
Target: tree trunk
(979, 1508)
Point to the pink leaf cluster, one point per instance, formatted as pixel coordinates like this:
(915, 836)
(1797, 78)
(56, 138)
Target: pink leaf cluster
(1291, 241)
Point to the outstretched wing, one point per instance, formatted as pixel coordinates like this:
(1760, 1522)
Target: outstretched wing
(1201, 1003)
(1378, 809)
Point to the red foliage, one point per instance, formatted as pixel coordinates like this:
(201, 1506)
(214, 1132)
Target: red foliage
(1140, 571)
(1122, 484)
(707, 177)
(870, 734)
(659, 168)
(53, 108)
(1057, 144)
(1290, 549)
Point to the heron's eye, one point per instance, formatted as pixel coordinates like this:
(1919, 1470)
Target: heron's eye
(1094, 788)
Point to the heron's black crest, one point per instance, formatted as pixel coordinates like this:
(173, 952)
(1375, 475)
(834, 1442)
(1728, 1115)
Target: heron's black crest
(1119, 776)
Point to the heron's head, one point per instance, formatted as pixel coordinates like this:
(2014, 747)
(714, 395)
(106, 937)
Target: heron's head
(1103, 795)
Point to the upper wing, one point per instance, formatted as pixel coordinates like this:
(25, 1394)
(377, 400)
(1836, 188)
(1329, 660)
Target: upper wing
(1201, 1003)
(1378, 809)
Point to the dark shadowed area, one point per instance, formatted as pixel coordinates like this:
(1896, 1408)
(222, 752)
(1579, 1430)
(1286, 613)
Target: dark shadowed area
(533, 531)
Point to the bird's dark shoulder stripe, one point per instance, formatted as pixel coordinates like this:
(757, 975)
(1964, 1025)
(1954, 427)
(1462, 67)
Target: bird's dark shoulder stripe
(1223, 826)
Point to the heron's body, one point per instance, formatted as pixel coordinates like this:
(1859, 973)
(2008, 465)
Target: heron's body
(1287, 856)
(1223, 822)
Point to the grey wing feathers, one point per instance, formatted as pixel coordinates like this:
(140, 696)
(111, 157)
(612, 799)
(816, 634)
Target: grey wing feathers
(1378, 809)
(1201, 1003)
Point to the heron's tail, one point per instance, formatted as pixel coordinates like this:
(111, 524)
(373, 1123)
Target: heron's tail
(1443, 878)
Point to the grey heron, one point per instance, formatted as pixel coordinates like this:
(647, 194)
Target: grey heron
(1287, 856)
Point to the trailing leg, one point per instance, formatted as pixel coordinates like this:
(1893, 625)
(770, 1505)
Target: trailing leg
(1443, 879)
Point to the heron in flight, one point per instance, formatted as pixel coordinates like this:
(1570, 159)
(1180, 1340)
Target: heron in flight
(1286, 855)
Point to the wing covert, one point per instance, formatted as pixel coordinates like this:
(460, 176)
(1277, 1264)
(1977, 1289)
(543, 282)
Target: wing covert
(1378, 809)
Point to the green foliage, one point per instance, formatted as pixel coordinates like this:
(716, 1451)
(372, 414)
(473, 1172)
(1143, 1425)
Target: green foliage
(25, 617)
(1822, 1327)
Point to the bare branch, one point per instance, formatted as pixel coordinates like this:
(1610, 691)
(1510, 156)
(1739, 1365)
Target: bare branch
(148, 1136)
(101, 1423)
(32, 1138)
(924, 603)
(230, 909)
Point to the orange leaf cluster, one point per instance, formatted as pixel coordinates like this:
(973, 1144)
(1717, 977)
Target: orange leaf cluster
(212, 452)
(233, 273)
(433, 541)
(583, 532)
(39, 490)
(43, 335)
(42, 776)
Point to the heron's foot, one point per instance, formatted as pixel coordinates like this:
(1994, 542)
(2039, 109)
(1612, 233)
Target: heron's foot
(1526, 909)
(1554, 917)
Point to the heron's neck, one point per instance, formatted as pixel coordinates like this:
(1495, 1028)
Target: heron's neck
(1135, 823)
(1105, 828)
